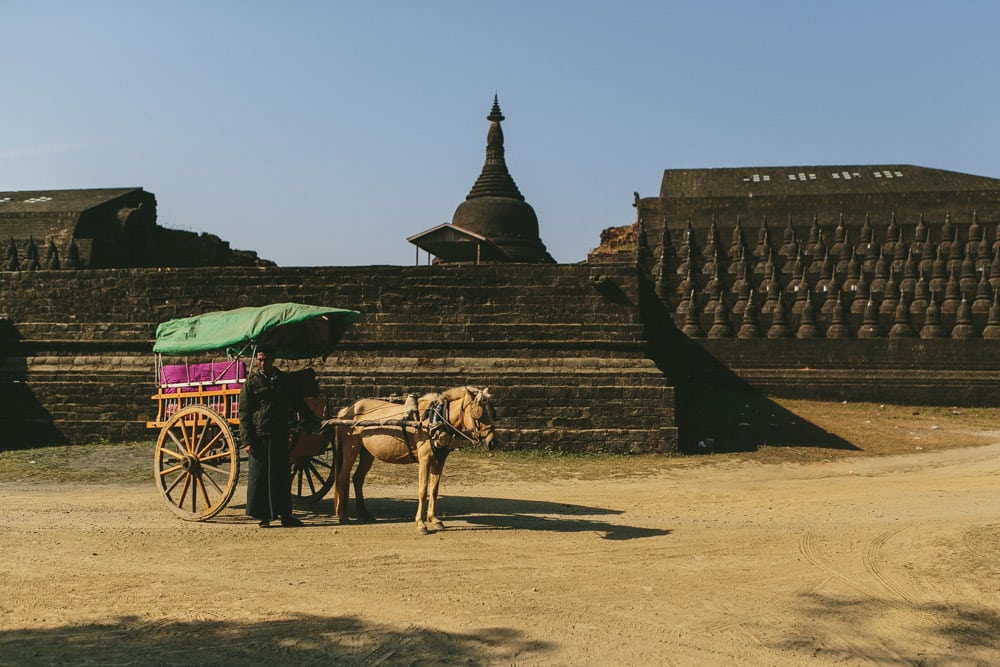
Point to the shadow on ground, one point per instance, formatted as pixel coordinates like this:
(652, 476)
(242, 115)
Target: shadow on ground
(476, 513)
(300, 640)
(846, 629)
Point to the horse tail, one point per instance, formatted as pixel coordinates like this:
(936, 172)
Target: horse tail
(338, 453)
(338, 449)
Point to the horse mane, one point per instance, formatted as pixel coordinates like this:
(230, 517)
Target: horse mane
(456, 393)
(431, 397)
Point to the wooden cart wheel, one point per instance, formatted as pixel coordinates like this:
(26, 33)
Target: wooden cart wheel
(312, 471)
(197, 464)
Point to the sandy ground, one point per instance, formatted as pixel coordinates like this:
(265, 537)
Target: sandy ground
(708, 561)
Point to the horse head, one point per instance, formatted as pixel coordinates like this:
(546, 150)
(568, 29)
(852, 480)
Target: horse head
(478, 416)
(470, 413)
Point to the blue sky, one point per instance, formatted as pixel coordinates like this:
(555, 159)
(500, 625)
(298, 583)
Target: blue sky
(325, 133)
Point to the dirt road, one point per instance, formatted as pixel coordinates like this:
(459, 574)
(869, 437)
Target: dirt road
(860, 560)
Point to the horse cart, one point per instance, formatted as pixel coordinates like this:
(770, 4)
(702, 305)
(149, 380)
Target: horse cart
(197, 458)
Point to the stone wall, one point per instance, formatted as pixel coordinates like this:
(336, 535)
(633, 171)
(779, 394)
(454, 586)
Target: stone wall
(921, 372)
(562, 348)
(903, 312)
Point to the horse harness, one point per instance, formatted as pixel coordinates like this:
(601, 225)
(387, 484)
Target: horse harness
(438, 427)
(436, 416)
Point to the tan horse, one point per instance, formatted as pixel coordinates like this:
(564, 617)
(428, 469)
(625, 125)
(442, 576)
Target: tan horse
(436, 424)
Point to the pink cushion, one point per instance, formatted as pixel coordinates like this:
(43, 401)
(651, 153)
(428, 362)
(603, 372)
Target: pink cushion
(173, 374)
(214, 372)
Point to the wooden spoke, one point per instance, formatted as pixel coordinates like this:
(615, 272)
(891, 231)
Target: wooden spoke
(200, 483)
(196, 463)
(180, 445)
(312, 475)
(214, 469)
(317, 462)
(170, 471)
(184, 490)
(177, 480)
(221, 456)
(307, 475)
(210, 445)
(210, 479)
(185, 436)
(170, 452)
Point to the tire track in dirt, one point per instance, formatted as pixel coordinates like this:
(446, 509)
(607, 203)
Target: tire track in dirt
(809, 548)
(901, 602)
(872, 560)
(743, 652)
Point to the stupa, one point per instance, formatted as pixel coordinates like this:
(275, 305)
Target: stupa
(494, 223)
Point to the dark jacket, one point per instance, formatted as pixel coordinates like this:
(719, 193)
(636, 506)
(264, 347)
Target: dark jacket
(267, 403)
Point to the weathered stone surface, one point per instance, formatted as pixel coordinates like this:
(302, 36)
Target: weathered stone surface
(892, 235)
(102, 228)
(565, 361)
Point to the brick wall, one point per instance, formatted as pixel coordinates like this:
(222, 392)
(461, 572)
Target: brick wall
(562, 348)
(904, 371)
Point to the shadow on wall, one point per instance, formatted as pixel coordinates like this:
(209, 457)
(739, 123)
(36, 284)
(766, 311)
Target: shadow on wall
(300, 640)
(24, 422)
(716, 410)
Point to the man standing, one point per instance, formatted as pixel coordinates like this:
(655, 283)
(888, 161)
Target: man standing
(266, 403)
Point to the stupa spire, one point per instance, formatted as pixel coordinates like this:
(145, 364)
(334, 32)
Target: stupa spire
(495, 180)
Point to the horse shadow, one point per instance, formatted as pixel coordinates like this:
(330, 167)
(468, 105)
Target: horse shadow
(466, 513)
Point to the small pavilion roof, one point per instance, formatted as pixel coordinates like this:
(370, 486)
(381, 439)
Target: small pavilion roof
(456, 244)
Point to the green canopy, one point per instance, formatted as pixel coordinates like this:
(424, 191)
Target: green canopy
(294, 330)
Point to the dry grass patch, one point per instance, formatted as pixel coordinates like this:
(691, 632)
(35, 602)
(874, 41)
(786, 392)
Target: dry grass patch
(876, 430)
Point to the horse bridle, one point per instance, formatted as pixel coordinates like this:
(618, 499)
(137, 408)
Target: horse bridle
(476, 411)
(437, 416)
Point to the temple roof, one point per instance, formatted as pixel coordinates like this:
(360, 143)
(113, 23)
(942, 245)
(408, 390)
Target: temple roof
(58, 201)
(817, 180)
(827, 194)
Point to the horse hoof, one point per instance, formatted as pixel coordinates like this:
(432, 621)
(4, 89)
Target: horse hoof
(423, 530)
(437, 525)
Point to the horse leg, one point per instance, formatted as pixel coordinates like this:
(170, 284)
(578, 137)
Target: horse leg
(434, 482)
(364, 465)
(422, 496)
(347, 452)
